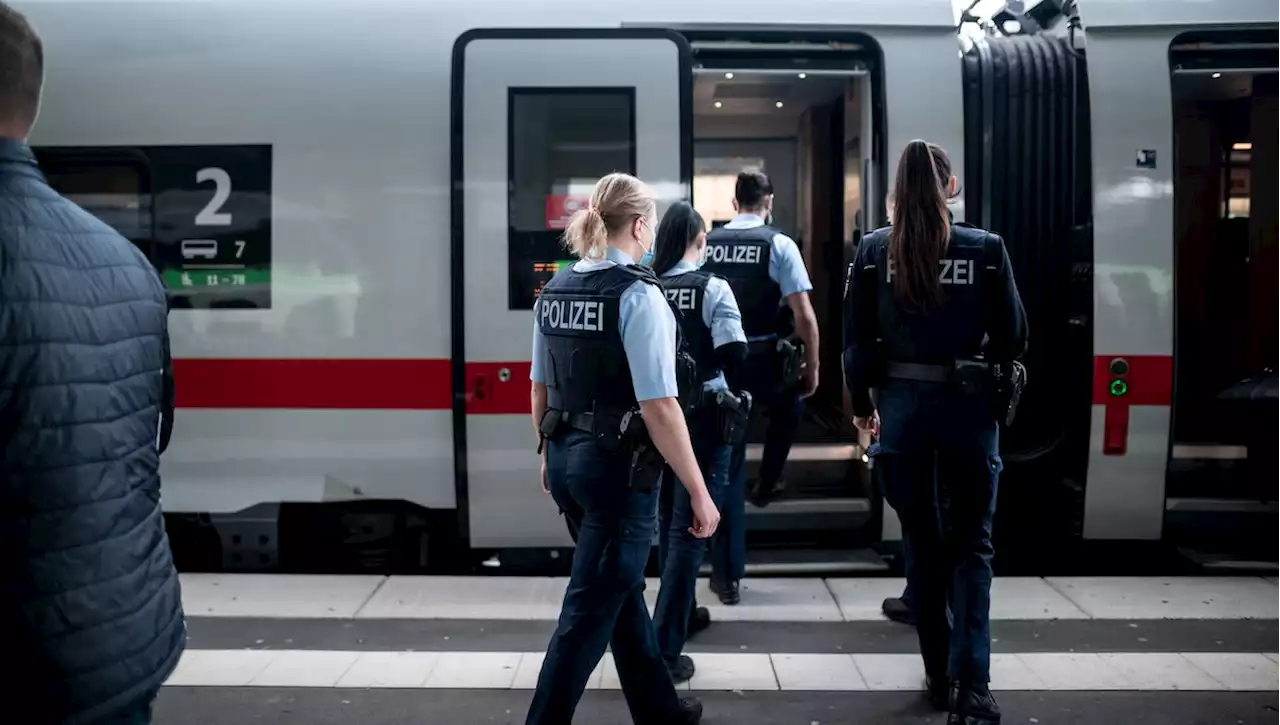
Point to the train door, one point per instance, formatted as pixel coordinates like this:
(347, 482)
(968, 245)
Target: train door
(538, 117)
(1220, 486)
(803, 114)
(1138, 297)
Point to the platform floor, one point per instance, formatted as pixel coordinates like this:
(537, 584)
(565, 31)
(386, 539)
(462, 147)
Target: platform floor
(375, 650)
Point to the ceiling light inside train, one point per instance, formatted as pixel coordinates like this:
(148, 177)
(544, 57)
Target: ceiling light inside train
(719, 104)
(803, 76)
(1217, 75)
(778, 104)
(729, 76)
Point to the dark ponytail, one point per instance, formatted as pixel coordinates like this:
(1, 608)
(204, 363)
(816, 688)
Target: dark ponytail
(921, 226)
(680, 226)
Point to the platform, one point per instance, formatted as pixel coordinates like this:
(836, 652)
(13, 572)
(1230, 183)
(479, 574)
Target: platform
(375, 650)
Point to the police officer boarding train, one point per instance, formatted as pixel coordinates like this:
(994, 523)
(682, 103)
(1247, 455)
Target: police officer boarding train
(712, 327)
(771, 284)
(605, 400)
(921, 297)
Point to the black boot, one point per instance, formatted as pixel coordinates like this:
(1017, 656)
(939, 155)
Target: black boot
(973, 704)
(898, 611)
(699, 620)
(938, 692)
(690, 712)
(762, 493)
(728, 592)
(681, 670)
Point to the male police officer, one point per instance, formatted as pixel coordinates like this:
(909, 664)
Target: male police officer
(769, 279)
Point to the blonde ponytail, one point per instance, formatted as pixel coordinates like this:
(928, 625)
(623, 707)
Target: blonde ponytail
(617, 200)
(586, 235)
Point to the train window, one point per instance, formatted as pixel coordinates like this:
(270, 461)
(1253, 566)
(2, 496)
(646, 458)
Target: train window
(561, 141)
(114, 188)
(202, 214)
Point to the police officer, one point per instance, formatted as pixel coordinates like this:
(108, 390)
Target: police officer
(712, 327)
(922, 295)
(769, 279)
(604, 359)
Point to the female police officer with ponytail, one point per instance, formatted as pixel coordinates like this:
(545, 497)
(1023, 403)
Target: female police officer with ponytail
(712, 327)
(604, 358)
(921, 297)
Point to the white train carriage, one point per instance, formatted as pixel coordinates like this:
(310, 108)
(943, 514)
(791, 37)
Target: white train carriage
(353, 205)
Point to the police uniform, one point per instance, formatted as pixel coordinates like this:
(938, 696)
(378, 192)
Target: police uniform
(936, 428)
(763, 267)
(604, 338)
(710, 320)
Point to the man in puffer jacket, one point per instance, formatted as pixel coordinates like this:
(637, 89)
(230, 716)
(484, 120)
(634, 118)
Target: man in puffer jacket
(91, 619)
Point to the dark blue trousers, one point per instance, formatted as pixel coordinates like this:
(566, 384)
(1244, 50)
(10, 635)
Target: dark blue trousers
(604, 603)
(784, 409)
(940, 465)
(908, 567)
(680, 553)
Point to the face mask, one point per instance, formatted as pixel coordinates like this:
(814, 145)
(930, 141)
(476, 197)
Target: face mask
(702, 259)
(646, 259)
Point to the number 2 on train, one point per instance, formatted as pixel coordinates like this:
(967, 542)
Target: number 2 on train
(212, 215)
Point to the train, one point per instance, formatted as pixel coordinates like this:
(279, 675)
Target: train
(354, 204)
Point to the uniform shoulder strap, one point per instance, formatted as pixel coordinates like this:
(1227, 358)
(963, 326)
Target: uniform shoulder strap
(702, 277)
(641, 272)
(646, 274)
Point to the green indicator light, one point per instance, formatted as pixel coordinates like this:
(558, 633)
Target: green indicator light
(1119, 387)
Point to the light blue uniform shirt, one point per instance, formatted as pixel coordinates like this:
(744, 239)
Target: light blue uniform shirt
(648, 328)
(719, 313)
(786, 266)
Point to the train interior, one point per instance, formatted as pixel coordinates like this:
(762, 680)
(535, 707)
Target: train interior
(1222, 468)
(803, 119)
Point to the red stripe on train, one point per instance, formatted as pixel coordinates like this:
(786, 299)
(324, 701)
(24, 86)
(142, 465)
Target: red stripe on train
(1148, 381)
(391, 384)
(348, 384)
(493, 388)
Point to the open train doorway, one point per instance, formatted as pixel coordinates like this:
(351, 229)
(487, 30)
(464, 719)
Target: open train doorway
(804, 117)
(1222, 467)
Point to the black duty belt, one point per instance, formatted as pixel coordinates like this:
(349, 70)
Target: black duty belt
(920, 372)
(761, 347)
(579, 421)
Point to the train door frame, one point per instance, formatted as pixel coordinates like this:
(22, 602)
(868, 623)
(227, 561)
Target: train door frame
(836, 512)
(1130, 433)
(1230, 511)
(497, 390)
(850, 54)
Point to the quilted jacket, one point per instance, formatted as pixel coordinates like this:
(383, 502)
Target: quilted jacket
(91, 619)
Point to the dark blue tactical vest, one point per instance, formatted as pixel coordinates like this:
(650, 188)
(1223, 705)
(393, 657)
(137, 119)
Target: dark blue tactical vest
(587, 364)
(741, 256)
(687, 293)
(955, 331)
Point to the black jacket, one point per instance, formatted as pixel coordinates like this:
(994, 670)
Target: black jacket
(90, 609)
(982, 312)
